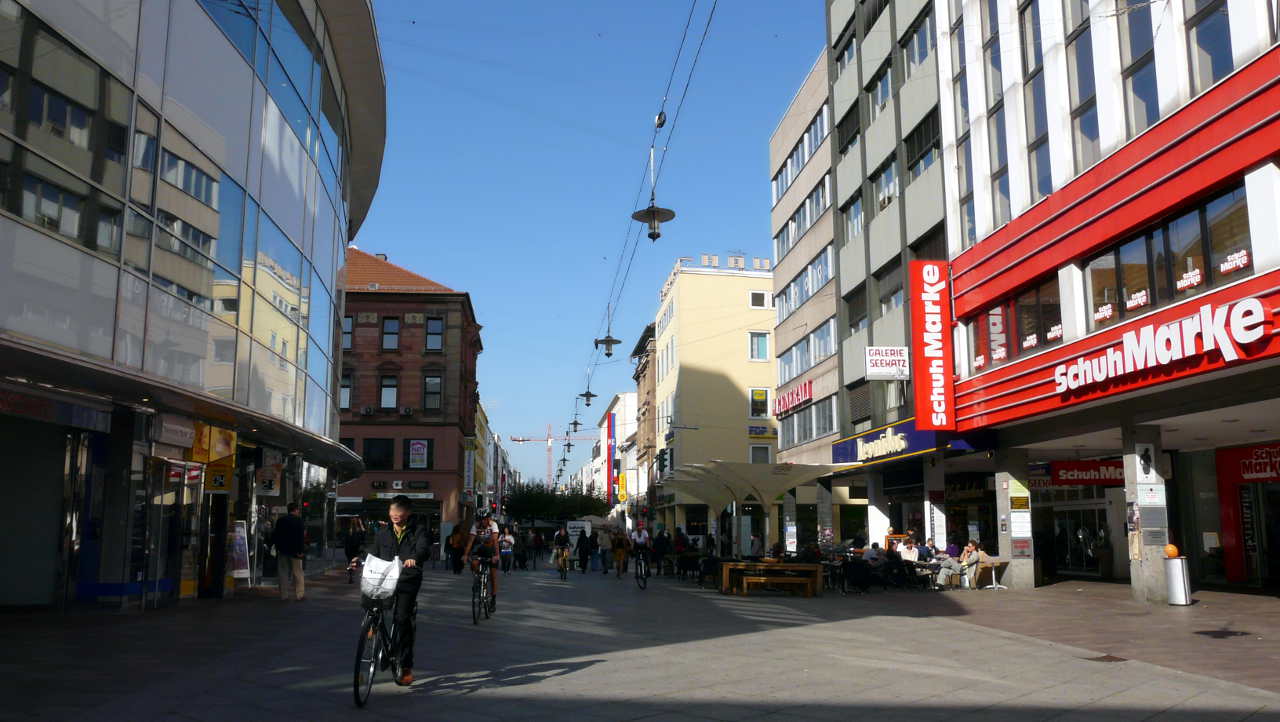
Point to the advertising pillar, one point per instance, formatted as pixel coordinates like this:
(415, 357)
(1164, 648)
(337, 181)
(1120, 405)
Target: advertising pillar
(933, 367)
(935, 508)
(1148, 512)
(1013, 511)
(826, 530)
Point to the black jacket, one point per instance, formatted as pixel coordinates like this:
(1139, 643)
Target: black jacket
(288, 537)
(413, 545)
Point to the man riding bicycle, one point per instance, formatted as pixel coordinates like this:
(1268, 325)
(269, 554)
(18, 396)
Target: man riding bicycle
(406, 539)
(484, 533)
(640, 542)
(560, 546)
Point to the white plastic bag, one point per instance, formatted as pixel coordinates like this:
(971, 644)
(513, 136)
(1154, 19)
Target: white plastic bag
(380, 577)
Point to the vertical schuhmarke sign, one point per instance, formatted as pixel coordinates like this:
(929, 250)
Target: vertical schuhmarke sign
(932, 365)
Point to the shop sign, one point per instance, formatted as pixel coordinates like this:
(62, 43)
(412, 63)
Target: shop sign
(53, 411)
(410, 494)
(212, 443)
(888, 363)
(762, 432)
(173, 430)
(1108, 472)
(1227, 329)
(800, 394)
(931, 346)
(468, 472)
(888, 443)
(419, 451)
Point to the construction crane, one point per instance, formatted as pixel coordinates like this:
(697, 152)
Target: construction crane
(550, 439)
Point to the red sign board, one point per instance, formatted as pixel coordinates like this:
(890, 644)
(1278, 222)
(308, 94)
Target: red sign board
(1087, 473)
(1227, 327)
(788, 400)
(931, 347)
(1240, 528)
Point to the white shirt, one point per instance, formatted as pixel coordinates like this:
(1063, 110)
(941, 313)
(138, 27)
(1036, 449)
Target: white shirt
(640, 538)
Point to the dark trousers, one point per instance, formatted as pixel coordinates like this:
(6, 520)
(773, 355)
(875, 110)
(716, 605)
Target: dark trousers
(505, 557)
(455, 560)
(406, 618)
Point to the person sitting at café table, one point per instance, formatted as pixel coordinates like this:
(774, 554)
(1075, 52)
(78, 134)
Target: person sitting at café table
(873, 555)
(930, 549)
(910, 552)
(968, 558)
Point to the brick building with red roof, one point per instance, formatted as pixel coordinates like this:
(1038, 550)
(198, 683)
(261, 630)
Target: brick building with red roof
(408, 394)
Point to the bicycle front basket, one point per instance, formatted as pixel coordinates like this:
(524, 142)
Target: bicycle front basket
(380, 577)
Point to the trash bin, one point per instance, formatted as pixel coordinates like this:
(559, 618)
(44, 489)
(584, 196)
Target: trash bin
(1175, 571)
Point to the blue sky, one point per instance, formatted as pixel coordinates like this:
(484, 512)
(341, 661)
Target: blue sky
(517, 135)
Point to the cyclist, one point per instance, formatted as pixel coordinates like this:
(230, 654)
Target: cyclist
(640, 543)
(561, 544)
(405, 538)
(484, 536)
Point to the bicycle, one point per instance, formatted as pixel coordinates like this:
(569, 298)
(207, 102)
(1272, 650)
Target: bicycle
(482, 599)
(562, 562)
(642, 568)
(378, 648)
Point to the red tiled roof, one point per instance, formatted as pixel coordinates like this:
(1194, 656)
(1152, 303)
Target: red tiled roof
(366, 273)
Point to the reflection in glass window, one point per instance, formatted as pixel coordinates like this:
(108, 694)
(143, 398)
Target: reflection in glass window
(433, 392)
(387, 392)
(1135, 276)
(279, 261)
(1227, 218)
(236, 21)
(1209, 41)
(919, 44)
(344, 394)
(1142, 106)
(390, 333)
(1186, 255)
(347, 322)
(435, 334)
(1100, 289)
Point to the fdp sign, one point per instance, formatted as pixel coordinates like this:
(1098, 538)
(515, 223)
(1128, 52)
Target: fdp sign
(931, 351)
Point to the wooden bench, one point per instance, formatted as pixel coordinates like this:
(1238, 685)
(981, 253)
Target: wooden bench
(805, 583)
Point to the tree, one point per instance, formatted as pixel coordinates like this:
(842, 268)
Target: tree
(536, 501)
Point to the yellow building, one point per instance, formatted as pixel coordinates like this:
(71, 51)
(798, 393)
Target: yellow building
(715, 374)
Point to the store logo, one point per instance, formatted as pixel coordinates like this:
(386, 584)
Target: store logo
(931, 345)
(888, 443)
(793, 398)
(1227, 329)
(1264, 464)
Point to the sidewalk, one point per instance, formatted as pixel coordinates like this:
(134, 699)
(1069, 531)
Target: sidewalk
(1231, 636)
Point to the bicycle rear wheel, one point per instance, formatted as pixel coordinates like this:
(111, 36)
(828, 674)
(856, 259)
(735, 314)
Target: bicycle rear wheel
(367, 650)
(475, 600)
(642, 578)
(484, 592)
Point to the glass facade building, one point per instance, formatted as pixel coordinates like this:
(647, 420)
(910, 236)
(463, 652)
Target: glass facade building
(178, 185)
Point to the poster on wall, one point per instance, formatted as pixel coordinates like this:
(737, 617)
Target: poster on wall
(419, 451)
(238, 553)
(931, 346)
(468, 474)
(270, 478)
(792, 542)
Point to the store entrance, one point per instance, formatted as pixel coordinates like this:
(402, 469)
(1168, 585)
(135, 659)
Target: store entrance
(1262, 533)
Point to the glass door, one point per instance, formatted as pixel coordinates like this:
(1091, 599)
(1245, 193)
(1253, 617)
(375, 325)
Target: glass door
(1080, 538)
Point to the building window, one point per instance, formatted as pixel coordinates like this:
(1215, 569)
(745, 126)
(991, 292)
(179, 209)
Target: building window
(919, 45)
(348, 442)
(922, 146)
(1000, 168)
(760, 454)
(1036, 105)
(884, 183)
(848, 129)
(889, 283)
(344, 392)
(347, 322)
(879, 90)
(1080, 80)
(846, 53)
(387, 390)
(811, 422)
(433, 392)
(1137, 57)
(818, 200)
(759, 404)
(758, 345)
(991, 51)
(805, 284)
(379, 454)
(860, 406)
(435, 334)
(758, 299)
(807, 352)
(856, 304)
(1039, 316)
(804, 149)
(853, 218)
(1201, 249)
(1209, 41)
(419, 454)
(390, 333)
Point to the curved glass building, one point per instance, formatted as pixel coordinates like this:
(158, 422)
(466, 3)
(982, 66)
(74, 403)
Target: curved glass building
(178, 180)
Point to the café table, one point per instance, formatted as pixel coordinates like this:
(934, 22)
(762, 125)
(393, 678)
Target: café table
(812, 572)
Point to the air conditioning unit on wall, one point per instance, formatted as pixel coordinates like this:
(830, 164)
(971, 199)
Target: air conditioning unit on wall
(406, 411)
(366, 411)
(397, 484)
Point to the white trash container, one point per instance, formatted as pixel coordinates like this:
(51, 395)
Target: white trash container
(1175, 571)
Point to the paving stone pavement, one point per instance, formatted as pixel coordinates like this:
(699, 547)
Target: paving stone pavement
(593, 648)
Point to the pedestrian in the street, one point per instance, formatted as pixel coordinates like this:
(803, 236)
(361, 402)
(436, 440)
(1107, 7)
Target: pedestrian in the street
(289, 539)
(506, 549)
(661, 548)
(583, 548)
(595, 549)
(620, 546)
(456, 541)
(606, 551)
(522, 551)
(353, 544)
(539, 546)
(405, 538)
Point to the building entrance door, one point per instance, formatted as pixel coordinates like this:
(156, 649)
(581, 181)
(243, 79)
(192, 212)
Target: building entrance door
(1260, 519)
(1081, 539)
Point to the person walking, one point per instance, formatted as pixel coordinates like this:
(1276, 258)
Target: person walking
(353, 544)
(404, 538)
(620, 545)
(595, 549)
(289, 539)
(457, 541)
(583, 549)
(606, 551)
(522, 551)
(506, 548)
(539, 546)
